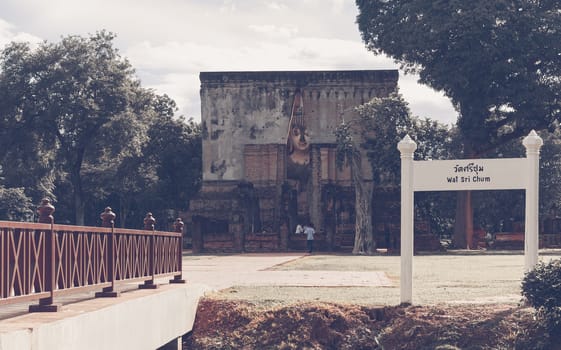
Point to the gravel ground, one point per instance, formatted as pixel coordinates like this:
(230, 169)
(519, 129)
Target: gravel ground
(466, 277)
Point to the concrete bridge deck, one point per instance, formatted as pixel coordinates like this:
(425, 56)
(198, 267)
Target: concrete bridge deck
(137, 319)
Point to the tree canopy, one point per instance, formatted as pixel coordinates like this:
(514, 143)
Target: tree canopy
(368, 144)
(498, 61)
(74, 119)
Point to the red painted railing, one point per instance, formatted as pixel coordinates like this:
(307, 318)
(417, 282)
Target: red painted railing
(41, 261)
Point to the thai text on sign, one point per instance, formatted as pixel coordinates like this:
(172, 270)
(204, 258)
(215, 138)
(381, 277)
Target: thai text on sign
(469, 174)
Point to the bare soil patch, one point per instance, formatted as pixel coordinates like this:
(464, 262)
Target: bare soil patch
(237, 324)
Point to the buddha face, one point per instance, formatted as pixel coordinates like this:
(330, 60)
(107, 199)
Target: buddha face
(299, 138)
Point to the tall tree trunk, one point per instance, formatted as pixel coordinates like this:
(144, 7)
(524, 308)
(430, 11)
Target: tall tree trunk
(80, 209)
(463, 228)
(364, 238)
(124, 206)
(79, 204)
(76, 180)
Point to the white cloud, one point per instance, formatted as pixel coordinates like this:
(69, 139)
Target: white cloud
(273, 31)
(337, 5)
(8, 34)
(275, 5)
(174, 67)
(169, 42)
(228, 6)
(426, 102)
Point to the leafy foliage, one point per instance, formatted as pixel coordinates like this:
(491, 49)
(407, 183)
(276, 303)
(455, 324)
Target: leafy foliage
(490, 211)
(15, 205)
(179, 151)
(350, 153)
(541, 287)
(435, 141)
(64, 94)
(165, 174)
(375, 133)
(383, 123)
(372, 135)
(76, 126)
(498, 61)
(347, 148)
(550, 174)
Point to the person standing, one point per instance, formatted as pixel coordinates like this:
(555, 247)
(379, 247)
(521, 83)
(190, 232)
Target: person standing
(309, 232)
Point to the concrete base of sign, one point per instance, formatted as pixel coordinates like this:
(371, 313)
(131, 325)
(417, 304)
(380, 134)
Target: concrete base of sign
(142, 319)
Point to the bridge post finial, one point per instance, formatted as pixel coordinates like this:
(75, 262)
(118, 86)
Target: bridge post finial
(108, 217)
(149, 222)
(178, 225)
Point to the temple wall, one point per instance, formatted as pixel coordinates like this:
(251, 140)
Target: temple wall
(269, 158)
(241, 108)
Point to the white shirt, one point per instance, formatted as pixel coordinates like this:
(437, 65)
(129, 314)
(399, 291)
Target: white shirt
(309, 232)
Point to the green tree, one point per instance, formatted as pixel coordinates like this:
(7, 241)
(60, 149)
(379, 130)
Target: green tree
(435, 141)
(350, 153)
(22, 151)
(65, 97)
(550, 174)
(116, 170)
(382, 124)
(498, 61)
(159, 174)
(164, 176)
(15, 205)
(373, 136)
(178, 144)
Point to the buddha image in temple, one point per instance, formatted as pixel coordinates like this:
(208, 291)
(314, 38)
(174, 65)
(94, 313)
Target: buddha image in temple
(298, 143)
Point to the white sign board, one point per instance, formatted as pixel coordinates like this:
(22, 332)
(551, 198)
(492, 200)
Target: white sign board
(470, 174)
(461, 175)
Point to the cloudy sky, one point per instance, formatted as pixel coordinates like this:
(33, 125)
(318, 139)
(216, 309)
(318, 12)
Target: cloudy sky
(170, 41)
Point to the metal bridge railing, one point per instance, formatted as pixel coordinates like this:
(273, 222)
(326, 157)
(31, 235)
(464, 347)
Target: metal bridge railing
(41, 261)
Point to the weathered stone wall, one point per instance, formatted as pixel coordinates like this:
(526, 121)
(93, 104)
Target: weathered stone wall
(255, 191)
(241, 108)
(264, 164)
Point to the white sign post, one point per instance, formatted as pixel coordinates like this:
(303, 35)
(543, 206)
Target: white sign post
(533, 143)
(462, 175)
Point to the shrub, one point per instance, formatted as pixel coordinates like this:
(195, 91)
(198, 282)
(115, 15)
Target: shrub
(542, 288)
(15, 205)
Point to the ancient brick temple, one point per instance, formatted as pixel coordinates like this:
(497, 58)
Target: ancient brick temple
(269, 158)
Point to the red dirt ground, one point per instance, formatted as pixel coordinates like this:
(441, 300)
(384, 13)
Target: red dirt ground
(228, 324)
